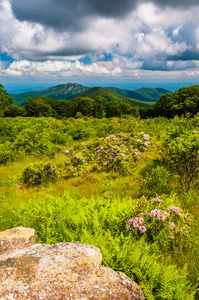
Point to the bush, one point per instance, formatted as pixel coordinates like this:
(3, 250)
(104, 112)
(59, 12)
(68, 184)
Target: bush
(6, 153)
(114, 153)
(165, 224)
(156, 178)
(37, 174)
(181, 155)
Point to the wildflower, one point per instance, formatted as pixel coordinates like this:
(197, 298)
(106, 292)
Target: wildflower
(174, 209)
(157, 200)
(142, 229)
(146, 136)
(144, 214)
(186, 217)
(171, 225)
(161, 214)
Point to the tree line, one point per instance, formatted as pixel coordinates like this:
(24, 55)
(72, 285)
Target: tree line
(81, 106)
(182, 102)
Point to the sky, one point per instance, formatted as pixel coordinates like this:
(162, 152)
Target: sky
(129, 43)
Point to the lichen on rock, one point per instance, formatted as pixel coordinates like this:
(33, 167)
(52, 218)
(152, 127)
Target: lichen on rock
(70, 271)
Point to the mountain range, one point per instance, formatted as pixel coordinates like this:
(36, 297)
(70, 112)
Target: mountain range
(143, 97)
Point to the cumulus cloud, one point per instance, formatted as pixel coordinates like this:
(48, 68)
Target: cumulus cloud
(53, 37)
(59, 69)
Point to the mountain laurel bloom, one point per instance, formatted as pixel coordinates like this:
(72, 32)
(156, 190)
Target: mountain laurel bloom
(161, 214)
(171, 225)
(174, 209)
(136, 222)
(157, 200)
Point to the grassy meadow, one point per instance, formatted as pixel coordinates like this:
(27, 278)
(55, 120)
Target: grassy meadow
(126, 185)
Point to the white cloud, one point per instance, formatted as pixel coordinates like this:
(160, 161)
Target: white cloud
(60, 69)
(147, 37)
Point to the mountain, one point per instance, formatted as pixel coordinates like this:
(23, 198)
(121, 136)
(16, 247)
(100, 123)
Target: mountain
(142, 97)
(61, 91)
(110, 96)
(151, 94)
(142, 94)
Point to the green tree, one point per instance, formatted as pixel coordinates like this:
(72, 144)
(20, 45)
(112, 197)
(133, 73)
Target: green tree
(99, 107)
(14, 110)
(37, 107)
(84, 105)
(182, 102)
(5, 100)
(117, 108)
(64, 108)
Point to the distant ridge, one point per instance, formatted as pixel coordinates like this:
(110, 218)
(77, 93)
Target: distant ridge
(61, 91)
(143, 97)
(110, 96)
(142, 94)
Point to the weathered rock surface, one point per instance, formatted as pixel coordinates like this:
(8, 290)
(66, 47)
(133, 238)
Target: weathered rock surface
(16, 238)
(63, 271)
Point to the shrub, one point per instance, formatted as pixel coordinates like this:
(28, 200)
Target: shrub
(156, 178)
(6, 153)
(110, 154)
(181, 155)
(37, 174)
(166, 224)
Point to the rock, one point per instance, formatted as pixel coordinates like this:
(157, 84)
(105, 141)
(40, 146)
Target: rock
(16, 238)
(70, 271)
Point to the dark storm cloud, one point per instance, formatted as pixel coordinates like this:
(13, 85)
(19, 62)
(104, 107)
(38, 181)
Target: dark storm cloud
(183, 3)
(69, 13)
(185, 56)
(63, 14)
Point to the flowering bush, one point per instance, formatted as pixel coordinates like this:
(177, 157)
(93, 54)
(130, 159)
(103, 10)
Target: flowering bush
(36, 174)
(112, 153)
(157, 220)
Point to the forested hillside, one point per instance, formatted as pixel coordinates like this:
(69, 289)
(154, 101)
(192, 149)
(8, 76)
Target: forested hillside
(142, 94)
(73, 90)
(61, 91)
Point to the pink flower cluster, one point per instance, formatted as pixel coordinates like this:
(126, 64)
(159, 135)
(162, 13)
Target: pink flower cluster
(161, 214)
(174, 209)
(157, 200)
(136, 222)
(155, 216)
(186, 217)
(171, 225)
(145, 136)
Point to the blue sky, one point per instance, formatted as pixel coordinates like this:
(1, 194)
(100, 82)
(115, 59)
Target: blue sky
(129, 43)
